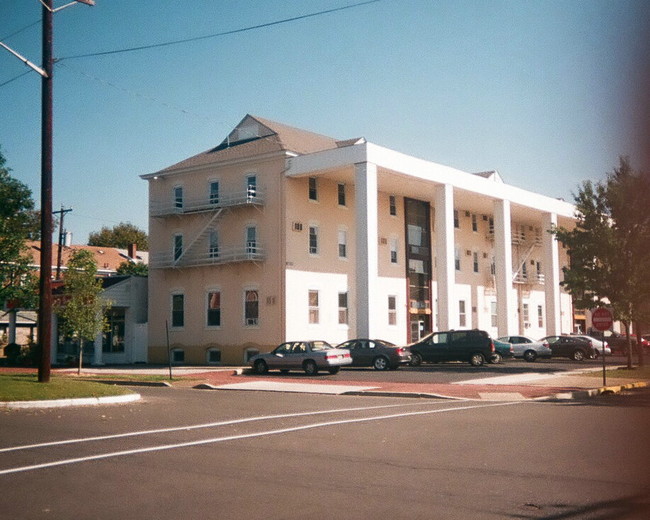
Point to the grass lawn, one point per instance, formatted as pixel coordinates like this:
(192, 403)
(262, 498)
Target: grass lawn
(640, 373)
(25, 387)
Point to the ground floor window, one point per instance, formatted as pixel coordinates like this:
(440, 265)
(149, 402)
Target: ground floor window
(313, 307)
(493, 314)
(214, 356)
(178, 356)
(249, 353)
(178, 310)
(113, 340)
(214, 309)
(392, 310)
(462, 314)
(540, 316)
(251, 308)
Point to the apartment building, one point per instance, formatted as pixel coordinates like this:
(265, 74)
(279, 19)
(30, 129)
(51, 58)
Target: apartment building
(278, 233)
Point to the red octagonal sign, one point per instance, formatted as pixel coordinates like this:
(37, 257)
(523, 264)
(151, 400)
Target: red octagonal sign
(602, 319)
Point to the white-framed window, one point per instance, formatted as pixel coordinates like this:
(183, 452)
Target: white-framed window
(392, 310)
(474, 223)
(343, 308)
(343, 243)
(493, 267)
(540, 274)
(392, 205)
(251, 307)
(178, 197)
(251, 239)
(213, 244)
(178, 311)
(540, 316)
(313, 240)
(313, 306)
(341, 194)
(457, 259)
(251, 186)
(526, 313)
(475, 261)
(214, 192)
(393, 250)
(493, 314)
(462, 314)
(524, 270)
(456, 219)
(213, 310)
(213, 356)
(178, 246)
(178, 356)
(313, 188)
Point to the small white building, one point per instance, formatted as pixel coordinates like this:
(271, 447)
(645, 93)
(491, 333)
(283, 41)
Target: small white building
(279, 233)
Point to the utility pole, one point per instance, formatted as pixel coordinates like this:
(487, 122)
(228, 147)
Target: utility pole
(61, 212)
(45, 280)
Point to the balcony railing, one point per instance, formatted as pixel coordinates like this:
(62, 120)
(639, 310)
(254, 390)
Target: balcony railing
(248, 197)
(519, 237)
(531, 279)
(222, 256)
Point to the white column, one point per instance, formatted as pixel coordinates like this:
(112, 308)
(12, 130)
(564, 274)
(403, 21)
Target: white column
(367, 304)
(506, 322)
(445, 267)
(551, 275)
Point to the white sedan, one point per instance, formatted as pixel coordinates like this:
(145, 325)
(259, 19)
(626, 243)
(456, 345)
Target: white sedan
(527, 348)
(310, 356)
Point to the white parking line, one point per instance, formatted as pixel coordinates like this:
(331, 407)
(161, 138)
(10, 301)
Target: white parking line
(239, 437)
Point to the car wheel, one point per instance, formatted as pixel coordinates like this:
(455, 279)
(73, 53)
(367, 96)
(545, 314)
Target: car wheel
(334, 370)
(260, 367)
(310, 368)
(578, 355)
(416, 360)
(530, 356)
(496, 358)
(380, 363)
(477, 359)
(596, 354)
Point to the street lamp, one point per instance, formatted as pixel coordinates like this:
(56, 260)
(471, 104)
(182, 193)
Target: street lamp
(45, 277)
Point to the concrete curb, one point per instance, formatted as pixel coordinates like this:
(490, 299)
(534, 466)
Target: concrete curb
(83, 401)
(594, 392)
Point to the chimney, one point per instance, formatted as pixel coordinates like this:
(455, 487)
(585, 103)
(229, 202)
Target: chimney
(133, 250)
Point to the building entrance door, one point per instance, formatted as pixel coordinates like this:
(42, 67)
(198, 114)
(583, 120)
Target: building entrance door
(420, 326)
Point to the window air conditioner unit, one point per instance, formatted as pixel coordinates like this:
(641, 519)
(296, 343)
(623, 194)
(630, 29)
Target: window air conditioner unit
(383, 241)
(297, 226)
(468, 252)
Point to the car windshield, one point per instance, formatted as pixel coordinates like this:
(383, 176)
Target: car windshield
(384, 343)
(320, 345)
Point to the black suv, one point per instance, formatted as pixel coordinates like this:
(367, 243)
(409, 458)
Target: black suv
(474, 346)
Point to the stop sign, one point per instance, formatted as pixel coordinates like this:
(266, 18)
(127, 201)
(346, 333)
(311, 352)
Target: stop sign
(602, 319)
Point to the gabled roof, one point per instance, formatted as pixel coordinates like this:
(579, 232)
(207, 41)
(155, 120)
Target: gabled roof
(257, 136)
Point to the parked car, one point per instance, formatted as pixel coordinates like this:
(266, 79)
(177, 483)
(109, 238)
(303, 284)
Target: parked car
(377, 353)
(598, 344)
(572, 347)
(474, 346)
(502, 350)
(527, 348)
(310, 356)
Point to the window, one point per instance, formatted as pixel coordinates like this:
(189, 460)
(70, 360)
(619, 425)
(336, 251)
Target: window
(251, 187)
(524, 271)
(251, 239)
(178, 355)
(540, 316)
(313, 306)
(313, 240)
(493, 267)
(213, 244)
(392, 205)
(526, 314)
(178, 197)
(343, 243)
(341, 194)
(462, 316)
(178, 310)
(343, 308)
(474, 223)
(456, 219)
(540, 275)
(178, 246)
(214, 356)
(393, 250)
(493, 314)
(313, 189)
(113, 340)
(214, 309)
(214, 192)
(457, 259)
(392, 310)
(251, 308)
(475, 261)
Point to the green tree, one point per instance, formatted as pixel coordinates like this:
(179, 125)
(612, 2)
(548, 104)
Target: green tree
(18, 223)
(82, 309)
(132, 268)
(608, 246)
(122, 235)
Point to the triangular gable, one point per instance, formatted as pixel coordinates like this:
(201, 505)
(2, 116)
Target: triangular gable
(491, 175)
(248, 129)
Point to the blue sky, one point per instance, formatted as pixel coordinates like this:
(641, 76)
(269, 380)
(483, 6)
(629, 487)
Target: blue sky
(542, 91)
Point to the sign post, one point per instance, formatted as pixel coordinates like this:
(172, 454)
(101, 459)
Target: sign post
(602, 320)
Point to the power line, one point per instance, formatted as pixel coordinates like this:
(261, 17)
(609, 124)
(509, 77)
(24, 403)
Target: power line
(216, 35)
